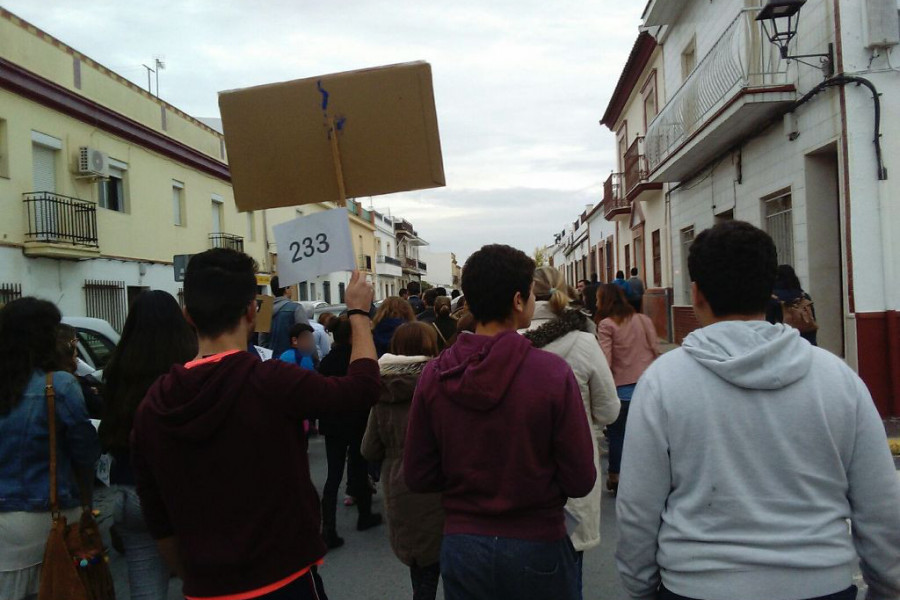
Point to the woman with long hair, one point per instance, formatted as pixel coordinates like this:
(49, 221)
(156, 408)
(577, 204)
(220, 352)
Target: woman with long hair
(444, 324)
(393, 312)
(415, 521)
(28, 353)
(630, 343)
(154, 339)
(343, 436)
(788, 291)
(567, 332)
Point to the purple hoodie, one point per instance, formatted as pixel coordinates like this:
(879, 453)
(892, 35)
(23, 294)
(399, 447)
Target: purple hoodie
(499, 427)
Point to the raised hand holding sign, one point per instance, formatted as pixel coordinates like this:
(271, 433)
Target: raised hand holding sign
(314, 245)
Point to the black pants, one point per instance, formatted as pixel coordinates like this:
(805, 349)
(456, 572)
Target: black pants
(308, 587)
(848, 594)
(340, 447)
(425, 581)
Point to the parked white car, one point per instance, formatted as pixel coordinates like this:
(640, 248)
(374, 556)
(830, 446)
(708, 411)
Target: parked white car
(96, 342)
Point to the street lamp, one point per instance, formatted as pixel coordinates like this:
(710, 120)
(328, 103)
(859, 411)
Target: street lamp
(780, 19)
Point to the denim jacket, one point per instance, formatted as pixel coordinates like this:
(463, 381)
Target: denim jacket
(25, 446)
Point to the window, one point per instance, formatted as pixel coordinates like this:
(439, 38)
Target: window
(326, 291)
(657, 258)
(312, 292)
(179, 217)
(342, 288)
(111, 191)
(218, 217)
(648, 93)
(44, 152)
(688, 58)
(687, 238)
(780, 225)
(106, 300)
(251, 226)
(97, 346)
(10, 292)
(304, 293)
(627, 260)
(622, 145)
(4, 150)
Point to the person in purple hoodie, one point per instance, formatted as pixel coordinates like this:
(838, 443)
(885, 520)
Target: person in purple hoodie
(498, 427)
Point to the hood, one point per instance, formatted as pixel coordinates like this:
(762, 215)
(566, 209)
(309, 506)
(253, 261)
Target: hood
(399, 375)
(193, 403)
(751, 354)
(546, 327)
(476, 371)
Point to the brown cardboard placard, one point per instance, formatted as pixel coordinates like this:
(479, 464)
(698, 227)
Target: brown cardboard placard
(280, 151)
(264, 306)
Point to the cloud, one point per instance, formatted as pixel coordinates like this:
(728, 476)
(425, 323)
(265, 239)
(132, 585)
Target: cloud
(520, 86)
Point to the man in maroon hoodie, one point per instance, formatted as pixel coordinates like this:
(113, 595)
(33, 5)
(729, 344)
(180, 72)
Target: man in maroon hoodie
(499, 428)
(221, 466)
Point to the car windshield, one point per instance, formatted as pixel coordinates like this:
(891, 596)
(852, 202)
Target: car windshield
(97, 345)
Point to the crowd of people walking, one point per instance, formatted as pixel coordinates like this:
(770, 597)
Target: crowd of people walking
(736, 460)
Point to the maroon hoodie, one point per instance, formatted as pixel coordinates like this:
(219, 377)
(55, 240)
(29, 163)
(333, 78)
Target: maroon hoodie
(499, 427)
(221, 464)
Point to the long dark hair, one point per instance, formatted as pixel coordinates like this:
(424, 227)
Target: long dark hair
(155, 337)
(27, 344)
(611, 303)
(786, 278)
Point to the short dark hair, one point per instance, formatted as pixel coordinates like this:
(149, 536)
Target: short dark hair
(340, 328)
(430, 296)
(634, 271)
(455, 294)
(584, 281)
(403, 291)
(734, 265)
(441, 291)
(414, 288)
(219, 284)
(620, 274)
(298, 329)
(491, 278)
(275, 284)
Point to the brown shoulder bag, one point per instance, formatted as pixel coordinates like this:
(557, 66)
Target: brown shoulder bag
(76, 566)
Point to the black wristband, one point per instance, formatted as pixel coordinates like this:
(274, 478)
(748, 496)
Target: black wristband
(357, 311)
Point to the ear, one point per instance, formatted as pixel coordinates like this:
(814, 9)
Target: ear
(701, 305)
(518, 303)
(250, 314)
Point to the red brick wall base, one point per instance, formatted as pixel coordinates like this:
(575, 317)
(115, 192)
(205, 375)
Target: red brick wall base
(656, 305)
(878, 349)
(684, 321)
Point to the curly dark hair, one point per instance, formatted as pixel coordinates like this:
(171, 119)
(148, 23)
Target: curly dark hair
(734, 266)
(219, 285)
(491, 278)
(27, 344)
(155, 337)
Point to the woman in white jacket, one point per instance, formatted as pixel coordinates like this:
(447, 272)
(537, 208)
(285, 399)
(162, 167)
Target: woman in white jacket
(570, 334)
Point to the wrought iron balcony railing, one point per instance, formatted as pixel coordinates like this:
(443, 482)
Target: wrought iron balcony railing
(388, 260)
(60, 219)
(636, 169)
(226, 240)
(741, 58)
(614, 201)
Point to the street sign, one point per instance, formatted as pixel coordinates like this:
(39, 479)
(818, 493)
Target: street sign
(314, 245)
(180, 262)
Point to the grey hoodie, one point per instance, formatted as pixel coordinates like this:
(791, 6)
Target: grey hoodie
(746, 453)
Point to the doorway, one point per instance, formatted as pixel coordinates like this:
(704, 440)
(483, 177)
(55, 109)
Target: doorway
(823, 230)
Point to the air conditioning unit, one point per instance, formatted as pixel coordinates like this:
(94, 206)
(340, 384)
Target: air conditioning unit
(93, 162)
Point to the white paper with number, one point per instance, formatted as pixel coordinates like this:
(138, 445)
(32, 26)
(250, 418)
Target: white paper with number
(314, 245)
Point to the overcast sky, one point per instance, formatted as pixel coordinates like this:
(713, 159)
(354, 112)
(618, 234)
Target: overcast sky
(520, 86)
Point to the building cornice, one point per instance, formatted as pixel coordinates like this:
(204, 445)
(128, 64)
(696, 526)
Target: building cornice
(640, 56)
(23, 82)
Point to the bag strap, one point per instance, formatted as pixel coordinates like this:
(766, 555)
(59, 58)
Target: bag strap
(50, 393)
(440, 335)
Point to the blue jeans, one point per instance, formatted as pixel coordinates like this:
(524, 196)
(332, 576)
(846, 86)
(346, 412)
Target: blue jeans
(616, 431)
(148, 574)
(476, 567)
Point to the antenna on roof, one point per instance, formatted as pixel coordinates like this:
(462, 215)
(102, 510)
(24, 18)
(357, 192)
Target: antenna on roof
(160, 64)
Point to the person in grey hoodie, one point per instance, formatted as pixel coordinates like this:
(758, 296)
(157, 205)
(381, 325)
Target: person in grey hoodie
(749, 451)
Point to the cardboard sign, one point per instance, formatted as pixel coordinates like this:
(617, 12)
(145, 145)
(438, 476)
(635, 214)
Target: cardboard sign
(279, 145)
(314, 245)
(264, 306)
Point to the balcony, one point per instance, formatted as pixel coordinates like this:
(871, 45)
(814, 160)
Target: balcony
(738, 87)
(354, 208)
(60, 226)
(388, 260)
(389, 266)
(226, 240)
(637, 171)
(615, 203)
(413, 266)
(422, 266)
(364, 262)
(405, 232)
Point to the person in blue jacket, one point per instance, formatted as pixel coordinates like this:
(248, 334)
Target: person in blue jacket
(303, 347)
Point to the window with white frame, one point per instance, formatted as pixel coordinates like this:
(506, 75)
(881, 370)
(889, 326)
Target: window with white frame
(779, 223)
(111, 193)
(179, 217)
(688, 59)
(218, 214)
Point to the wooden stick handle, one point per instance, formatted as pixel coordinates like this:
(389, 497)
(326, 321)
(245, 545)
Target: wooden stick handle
(338, 169)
